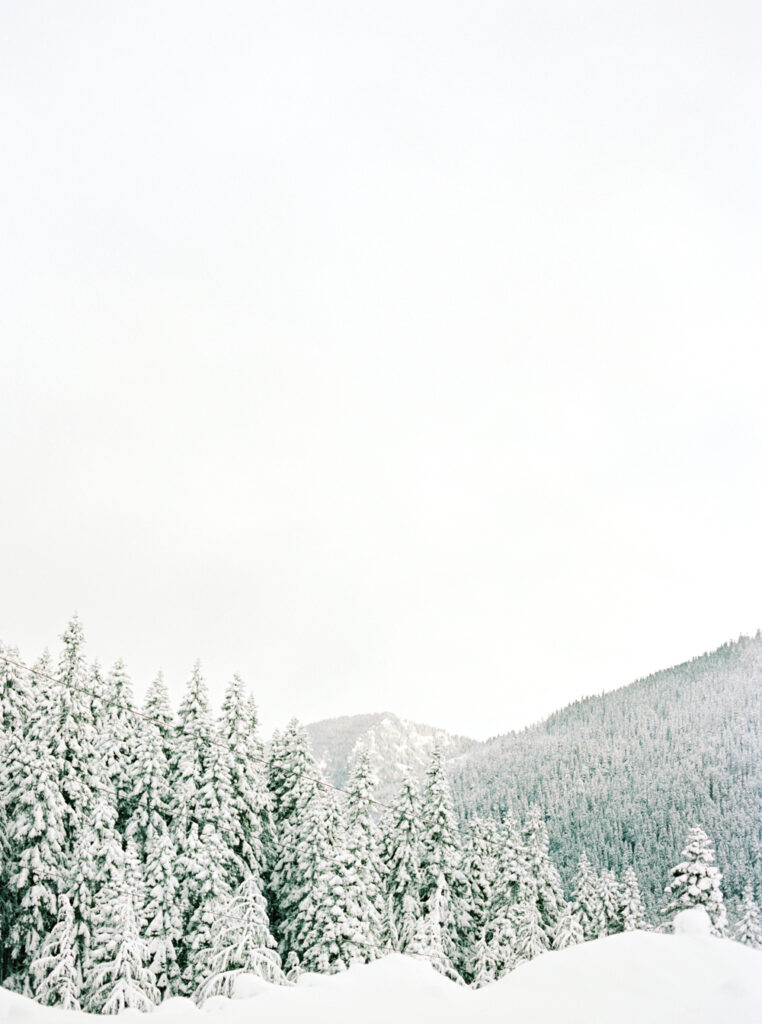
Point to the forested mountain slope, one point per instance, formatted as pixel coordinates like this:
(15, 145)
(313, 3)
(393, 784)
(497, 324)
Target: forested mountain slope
(625, 774)
(394, 745)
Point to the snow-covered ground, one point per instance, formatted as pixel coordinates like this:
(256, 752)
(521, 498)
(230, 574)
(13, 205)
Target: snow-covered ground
(634, 977)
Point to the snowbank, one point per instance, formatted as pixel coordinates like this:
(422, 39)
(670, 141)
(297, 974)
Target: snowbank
(636, 978)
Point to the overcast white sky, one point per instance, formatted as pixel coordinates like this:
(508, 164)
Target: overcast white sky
(398, 356)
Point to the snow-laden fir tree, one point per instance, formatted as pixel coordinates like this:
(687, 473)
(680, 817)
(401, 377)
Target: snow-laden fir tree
(696, 881)
(104, 893)
(16, 695)
(118, 975)
(431, 933)
(148, 828)
(55, 972)
(191, 755)
(631, 906)
(306, 878)
(292, 967)
(442, 878)
(188, 774)
(249, 799)
(541, 882)
(208, 866)
(339, 918)
(134, 877)
(241, 943)
(363, 866)
(611, 897)
(117, 727)
(290, 760)
(150, 795)
(73, 734)
(401, 854)
(531, 936)
(586, 903)
(494, 954)
(34, 856)
(310, 886)
(163, 930)
(95, 873)
(43, 689)
(24, 738)
(748, 930)
(568, 930)
(156, 707)
(480, 856)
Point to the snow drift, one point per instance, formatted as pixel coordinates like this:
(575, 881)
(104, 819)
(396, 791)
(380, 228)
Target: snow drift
(688, 978)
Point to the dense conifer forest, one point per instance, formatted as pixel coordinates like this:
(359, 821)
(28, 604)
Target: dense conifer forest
(145, 854)
(623, 776)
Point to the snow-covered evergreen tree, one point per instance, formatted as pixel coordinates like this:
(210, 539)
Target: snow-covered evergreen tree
(198, 853)
(480, 859)
(149, 830)
(95, 874)
(363, 866)
(401, 853)
(290, 760)
(104, 892)
(16, 695)
(307, 879)
(118, 977)
(611, 898)
(568, 930)
(134, 877)
(241, 943)
(310, 878)
(749, 927)
(34, 816)
(292, 967)
(631, 903)
(55, 972)
(541, 882)
(696, 881)
(73, 735)
(156, 708)
(150, 796)
(117, 729)
(192, 752)
(442, 877)
(208, 866)
(431, 933)
(587, 904)
(531, 936)
(493, 953)
(162, 912)
(249, 799)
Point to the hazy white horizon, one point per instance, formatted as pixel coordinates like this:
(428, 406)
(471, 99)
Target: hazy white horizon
(396, 356)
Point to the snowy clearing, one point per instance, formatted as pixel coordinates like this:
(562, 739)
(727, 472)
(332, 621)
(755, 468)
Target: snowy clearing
(635, 977)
